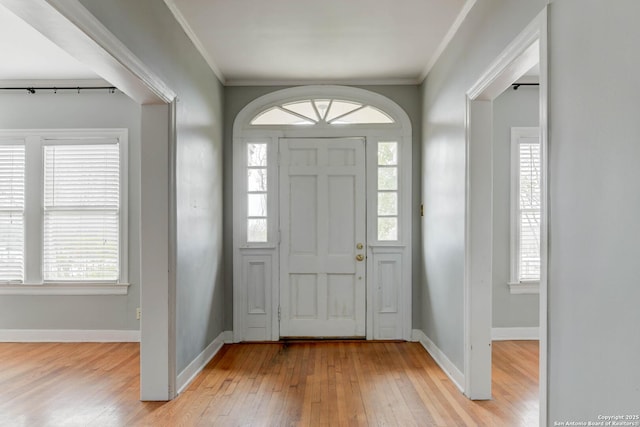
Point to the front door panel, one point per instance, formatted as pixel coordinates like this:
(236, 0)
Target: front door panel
(323, 228)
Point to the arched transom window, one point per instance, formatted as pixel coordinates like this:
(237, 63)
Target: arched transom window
(315, 111)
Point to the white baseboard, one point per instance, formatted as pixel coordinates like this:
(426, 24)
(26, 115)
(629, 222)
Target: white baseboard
(440, 358)
(197, 365)
(68, 335)
(506, 334)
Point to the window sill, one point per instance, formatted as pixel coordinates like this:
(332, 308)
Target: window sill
(65, 289)
(524, 288)
(257, 246)
(387, 244)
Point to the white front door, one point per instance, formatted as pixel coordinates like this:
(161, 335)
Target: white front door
(323, 229)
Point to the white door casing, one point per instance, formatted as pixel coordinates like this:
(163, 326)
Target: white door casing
(322, 242)
(256, 256)
(527, 49)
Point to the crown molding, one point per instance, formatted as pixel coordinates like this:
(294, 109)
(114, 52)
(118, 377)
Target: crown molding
(175, 10)
(466, 8)
(338, 82)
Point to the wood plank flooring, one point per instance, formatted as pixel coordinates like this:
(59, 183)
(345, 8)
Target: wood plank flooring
(294, 384)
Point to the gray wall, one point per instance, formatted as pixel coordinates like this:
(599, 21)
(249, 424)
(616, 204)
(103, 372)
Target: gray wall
(512, 108)
(236, 98)
(594, 289)
(150, 31)
(486, 31)
(594, 204)
(85, 110)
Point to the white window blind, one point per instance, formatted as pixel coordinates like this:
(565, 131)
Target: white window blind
(12, 170)
(529, 209)
(81, 211)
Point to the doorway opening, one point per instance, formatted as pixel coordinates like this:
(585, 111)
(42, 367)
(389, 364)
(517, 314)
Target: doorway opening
(76, 31)
(322, 224)
(527, 52)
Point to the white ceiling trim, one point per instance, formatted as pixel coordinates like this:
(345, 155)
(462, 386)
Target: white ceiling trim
(195, 40)
(447, 38)
(359, 82)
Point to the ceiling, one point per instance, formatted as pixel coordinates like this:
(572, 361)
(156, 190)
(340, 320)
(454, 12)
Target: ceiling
(28, 55)
(320, 41)
(275, 41)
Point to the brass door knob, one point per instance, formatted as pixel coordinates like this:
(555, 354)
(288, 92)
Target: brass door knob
(360, 257)
(359, 246)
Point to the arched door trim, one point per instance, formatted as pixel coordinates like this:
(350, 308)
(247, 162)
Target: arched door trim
(256, 254)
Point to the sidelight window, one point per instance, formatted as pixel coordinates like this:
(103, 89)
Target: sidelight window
(257, 197)
(387, 191)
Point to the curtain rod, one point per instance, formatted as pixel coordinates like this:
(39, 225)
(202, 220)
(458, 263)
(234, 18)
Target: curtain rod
(517, 85)
(55, 89)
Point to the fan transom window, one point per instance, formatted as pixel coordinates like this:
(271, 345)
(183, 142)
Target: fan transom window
(311, 112)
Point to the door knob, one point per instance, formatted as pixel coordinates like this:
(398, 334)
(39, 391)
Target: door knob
(360, 257)
(359, 246)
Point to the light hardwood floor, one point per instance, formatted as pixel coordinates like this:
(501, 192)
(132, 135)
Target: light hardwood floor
(306, 384)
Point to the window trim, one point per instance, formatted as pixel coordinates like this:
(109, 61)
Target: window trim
(33, 284)
(517, 286)
(64, 288)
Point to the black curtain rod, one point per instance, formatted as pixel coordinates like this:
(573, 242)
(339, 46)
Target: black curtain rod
(55, 89)
(517, 85)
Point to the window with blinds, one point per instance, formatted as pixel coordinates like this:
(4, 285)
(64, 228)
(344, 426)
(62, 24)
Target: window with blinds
(529, 210)
(81, 221)
(526, 205)
(12, 171)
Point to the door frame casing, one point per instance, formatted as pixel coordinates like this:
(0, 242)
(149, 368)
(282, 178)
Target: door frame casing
(528, 48)
(244, 326)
